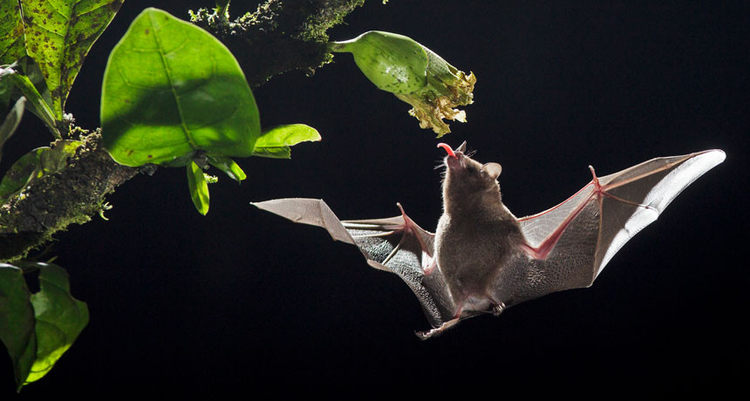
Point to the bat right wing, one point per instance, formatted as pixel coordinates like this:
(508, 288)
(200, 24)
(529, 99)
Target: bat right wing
(394, 244)
(570, 244)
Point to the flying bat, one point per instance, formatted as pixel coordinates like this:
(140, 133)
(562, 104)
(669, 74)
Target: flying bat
(482, 259)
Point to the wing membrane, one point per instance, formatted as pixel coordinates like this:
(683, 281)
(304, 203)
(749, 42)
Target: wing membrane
(394, 244)
(592, 225)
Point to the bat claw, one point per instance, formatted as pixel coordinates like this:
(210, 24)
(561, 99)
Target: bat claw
(424, 335)
(498, 309)
(595, 179)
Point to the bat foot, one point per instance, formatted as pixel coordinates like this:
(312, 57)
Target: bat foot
(498, 308)
(424, 335)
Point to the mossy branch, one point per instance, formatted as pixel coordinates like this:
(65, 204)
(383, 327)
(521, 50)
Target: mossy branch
(280, 36)
(52, 202)
(290, 35)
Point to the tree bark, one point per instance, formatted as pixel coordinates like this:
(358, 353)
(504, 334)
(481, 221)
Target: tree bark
(291, 35)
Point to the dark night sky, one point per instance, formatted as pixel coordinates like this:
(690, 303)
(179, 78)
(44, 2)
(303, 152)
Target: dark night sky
(245, 302)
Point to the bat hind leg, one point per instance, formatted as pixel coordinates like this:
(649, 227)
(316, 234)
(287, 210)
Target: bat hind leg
(497, 308)
(423, 335)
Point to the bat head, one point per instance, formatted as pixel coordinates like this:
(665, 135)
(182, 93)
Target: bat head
(467, 180)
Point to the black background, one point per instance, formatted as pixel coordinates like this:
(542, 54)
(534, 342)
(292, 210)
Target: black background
(243, 301)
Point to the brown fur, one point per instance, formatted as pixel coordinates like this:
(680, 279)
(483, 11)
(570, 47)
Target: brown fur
(476, 234)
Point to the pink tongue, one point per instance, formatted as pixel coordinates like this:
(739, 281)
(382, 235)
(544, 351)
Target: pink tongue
(447, 149)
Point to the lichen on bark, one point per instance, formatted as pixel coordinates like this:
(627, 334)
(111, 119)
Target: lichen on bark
(290, 35)
(52, 202)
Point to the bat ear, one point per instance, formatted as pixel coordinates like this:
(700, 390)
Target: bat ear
(492, 169)
(461, 148)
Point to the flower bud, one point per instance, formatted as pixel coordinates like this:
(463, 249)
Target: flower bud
(415, 74)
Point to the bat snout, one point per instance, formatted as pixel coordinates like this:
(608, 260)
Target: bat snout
(455, 162)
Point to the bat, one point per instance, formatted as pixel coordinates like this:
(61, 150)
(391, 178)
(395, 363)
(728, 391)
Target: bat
(481, 258)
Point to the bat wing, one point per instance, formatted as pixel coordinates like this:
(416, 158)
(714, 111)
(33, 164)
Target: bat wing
(568, 245)
(394, 244)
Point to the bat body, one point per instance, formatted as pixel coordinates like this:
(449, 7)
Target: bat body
(482, 259)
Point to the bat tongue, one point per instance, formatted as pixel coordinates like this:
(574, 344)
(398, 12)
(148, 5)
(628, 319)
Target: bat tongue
(447, 148)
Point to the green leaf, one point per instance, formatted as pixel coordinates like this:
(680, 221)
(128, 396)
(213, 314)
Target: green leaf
(38, 328)
(54, 159)
(17, 320)
(11, 32)
(222, 9)
(198, 187)
(8, 92)
(228, 166)
(58, 35)
(276, 142)
(26, 168)
(35, 164)
(36, 102)
(60, 318)
(281, 152)
(171, 89)
(11, 122)
(28, 67)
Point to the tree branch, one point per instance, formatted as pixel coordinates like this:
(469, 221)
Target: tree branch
(52, 202)
(290, 35)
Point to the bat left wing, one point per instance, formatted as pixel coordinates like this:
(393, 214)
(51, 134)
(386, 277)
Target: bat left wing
(568, 245)
(394, 244)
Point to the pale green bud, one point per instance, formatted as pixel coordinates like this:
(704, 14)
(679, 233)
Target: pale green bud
(415, 74)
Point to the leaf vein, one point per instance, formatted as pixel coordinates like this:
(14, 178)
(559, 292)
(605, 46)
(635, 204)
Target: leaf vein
(93, 9)
(48, 30)
(52, 6)
(162, 55)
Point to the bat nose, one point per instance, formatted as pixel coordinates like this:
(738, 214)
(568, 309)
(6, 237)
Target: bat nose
(454, 162)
